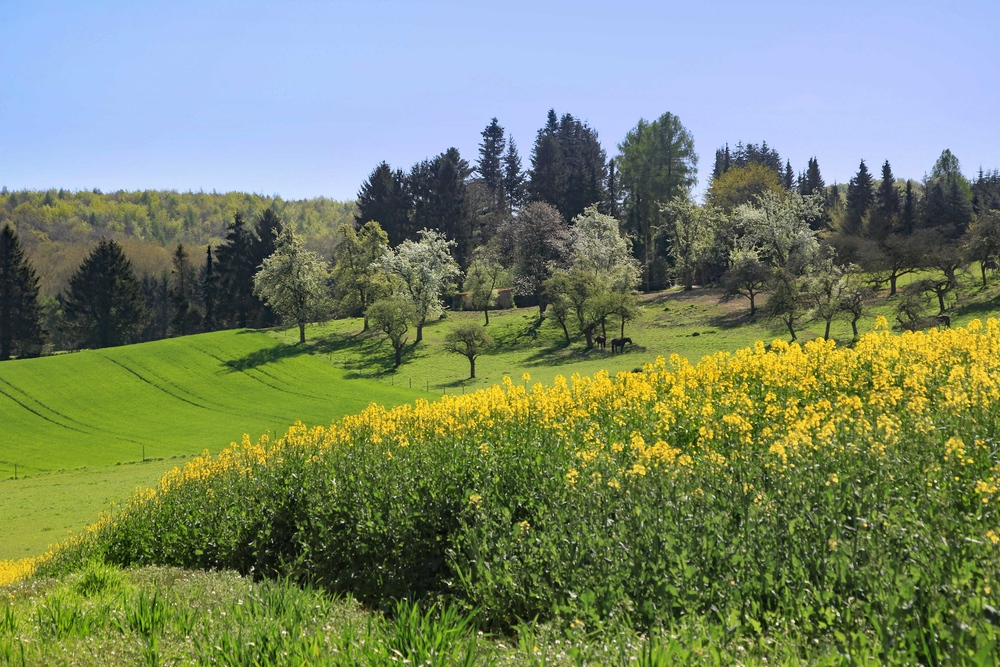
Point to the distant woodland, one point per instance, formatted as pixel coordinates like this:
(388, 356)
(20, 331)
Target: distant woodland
(572, 230)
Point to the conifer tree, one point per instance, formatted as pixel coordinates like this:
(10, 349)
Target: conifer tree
(885, 213)
(184, 315)
(439, 200)
(513, 176)
(209, 295)
(236, 268)
(104, 305)
(490, 164)
(20, 312)
(789, 178)
(860, 197)
(385, 198)
(813, 182)
(908, 217)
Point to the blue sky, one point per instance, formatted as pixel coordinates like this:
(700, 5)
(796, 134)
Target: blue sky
(304, 98)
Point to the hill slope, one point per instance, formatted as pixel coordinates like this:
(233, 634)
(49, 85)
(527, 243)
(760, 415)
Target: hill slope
(65, 421)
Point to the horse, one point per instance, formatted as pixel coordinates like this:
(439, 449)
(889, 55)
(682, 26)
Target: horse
(943, 319)
(601, 340)
(618, 344)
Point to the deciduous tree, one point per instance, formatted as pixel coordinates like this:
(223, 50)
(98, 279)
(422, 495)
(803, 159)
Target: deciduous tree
(422, 271)
(470, 340)
(292, 281)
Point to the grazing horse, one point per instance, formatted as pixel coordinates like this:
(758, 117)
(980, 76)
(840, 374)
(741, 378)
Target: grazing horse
(943, 319)
(601, 340)
(618, 344)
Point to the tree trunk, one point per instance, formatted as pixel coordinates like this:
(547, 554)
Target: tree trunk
(623, 328)
(688, 280)
(302, 332)
(472, 368)
(753, 306)
(589, 335)
(892, 285)
(940, 296)
(420, 332)
(365, 327)
(486, 312)
(982, 268)
(399, 356)
(854, 327)
(826, 334)
(565, 332)
(791, 329)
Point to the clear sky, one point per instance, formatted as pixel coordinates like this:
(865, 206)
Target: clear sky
(303, 98)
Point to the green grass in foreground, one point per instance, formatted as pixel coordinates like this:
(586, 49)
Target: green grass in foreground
(166, 616)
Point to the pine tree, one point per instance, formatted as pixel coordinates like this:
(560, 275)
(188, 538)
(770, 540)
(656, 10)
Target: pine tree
(385, 198)
(546, 179)
(612, 204)
(267, 230)
(513, 177)
(789, 180)
(490, 164)
(884, 218)
(860, 197)
(21, 329)
(236, 268)
(104, 305)
(439, 199)
(908, 217)
(209, 294)
(814, 181)
(185, 317)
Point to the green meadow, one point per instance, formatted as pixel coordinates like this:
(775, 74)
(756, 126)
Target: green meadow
(85, 429)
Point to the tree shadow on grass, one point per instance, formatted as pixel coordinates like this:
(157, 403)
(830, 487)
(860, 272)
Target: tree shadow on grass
(323, 345)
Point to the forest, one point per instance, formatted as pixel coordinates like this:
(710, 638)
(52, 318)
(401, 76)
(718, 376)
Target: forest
(574, 231)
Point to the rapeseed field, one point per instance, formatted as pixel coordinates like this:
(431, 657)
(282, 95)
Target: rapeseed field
(839, 495)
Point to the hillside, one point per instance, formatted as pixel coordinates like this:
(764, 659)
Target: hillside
(173, 398)
(160, 400)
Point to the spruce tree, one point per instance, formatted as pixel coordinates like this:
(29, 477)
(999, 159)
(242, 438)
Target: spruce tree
(267, 230)
(236, 268)
(209, 294)
(439, 200)
(513, 177)
(21, 329)
(105, 306)
(490, 164)
(546, 179)
(884, 218)
(814, 181)
(860, 197)
(908, 217)
(385, 198)
(789, 179)
(184, 315)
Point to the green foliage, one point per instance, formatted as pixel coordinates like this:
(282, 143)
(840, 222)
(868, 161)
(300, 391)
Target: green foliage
(293, 282)
(741, 185)
(421, 272)
(357, 280)
(470, 340)
(568, 165)
(392, 316)
(21, 329)
(104, 305)
(657, 163)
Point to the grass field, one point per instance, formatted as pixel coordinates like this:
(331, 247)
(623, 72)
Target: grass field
(170, 399)
(159, 401)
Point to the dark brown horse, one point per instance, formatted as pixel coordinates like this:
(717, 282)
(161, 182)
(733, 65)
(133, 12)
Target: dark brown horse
(618, 344)
(601, 340)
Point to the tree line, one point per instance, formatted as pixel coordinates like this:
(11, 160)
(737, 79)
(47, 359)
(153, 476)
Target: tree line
(576, 234)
